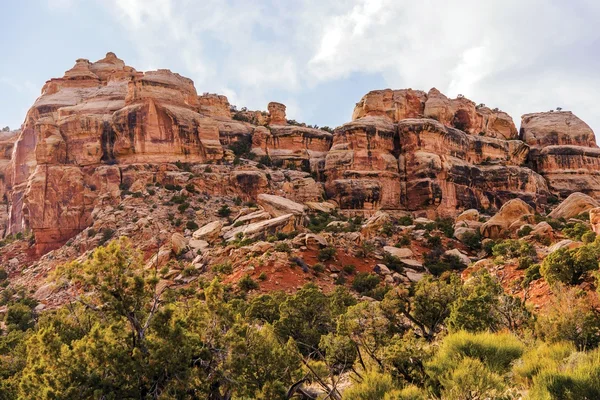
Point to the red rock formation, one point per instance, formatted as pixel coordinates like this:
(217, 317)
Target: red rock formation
(302, 146)
(100, 113)
(462, 113)
(451, 170)
(362, 166)
(564, 151)
(276, 114)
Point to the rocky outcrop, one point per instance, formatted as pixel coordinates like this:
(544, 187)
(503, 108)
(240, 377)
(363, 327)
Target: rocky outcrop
(410, 150)
(362, 166)
(104, 130)
(595, 219)
(451, 170)
(463, 114)
(564, 151)
(509, 219)
(396, 105)
(277, 206)
(572, 206)
(304, 148)
(88, 124)
(277, 114)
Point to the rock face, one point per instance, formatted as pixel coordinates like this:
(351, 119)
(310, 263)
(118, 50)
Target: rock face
(572, 206)
(595, 219)
(303, 147)
(276, 114)
(510, 218)
(564, 151)
(85, 126)
(104, 130)
(413, 150)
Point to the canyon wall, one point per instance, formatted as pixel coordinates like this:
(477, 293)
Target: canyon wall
(105, 127)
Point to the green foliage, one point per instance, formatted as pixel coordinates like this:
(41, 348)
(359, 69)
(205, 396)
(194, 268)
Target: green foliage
(569, 317)
(224, 211)
(576, 378)
(283, 247)
(576, 231)
(305, 317)
(393, 262)
(568, 265)
(524, 231)
(374, 386)
(224, 268)
(125, 337)
(472, 240)
(246, 283)
(496, 351)
(365, 282)
(319, 221)
(326, 254)
(405, 220)
(532, 273)
(437, 262)
(191, 225)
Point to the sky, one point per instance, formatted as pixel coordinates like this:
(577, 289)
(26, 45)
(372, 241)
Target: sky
(319, 57)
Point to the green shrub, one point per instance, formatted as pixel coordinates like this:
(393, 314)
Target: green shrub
(364, 282)
(246, 283)
(525, 230)
(224, 211)
(577, 379)
(326, 253)
(191, 225)
(393, 262)
(472, 240)
(576, 231)
(374, 386)
(405, 220)
(349, 269)
(568, 265)
(224, 268)
(318, 268)
(497, 351)
(531, 274)
(283, 247)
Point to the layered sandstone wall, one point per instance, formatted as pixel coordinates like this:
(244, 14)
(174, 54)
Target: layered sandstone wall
(564, 151)
(105, 127)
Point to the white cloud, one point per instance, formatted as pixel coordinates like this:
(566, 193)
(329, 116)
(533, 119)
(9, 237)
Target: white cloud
(518, 55)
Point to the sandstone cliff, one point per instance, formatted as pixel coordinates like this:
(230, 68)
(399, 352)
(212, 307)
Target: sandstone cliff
(104, 130)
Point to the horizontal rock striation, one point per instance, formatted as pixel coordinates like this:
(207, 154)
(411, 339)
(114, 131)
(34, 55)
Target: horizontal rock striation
(564, 151)
(105, 129)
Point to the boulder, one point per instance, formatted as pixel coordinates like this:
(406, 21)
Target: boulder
(398, 252)
(462, 257)
(376, 222)
(178, 243)
(277, 206)
(325, 206)
(462, 233)
(511, 216)
(209, 232)
(595, 219)
(382, 269)
(283, 223)
(565, 243)
(314, 241)
(468, 215)
(575, 204)
(543, 229)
